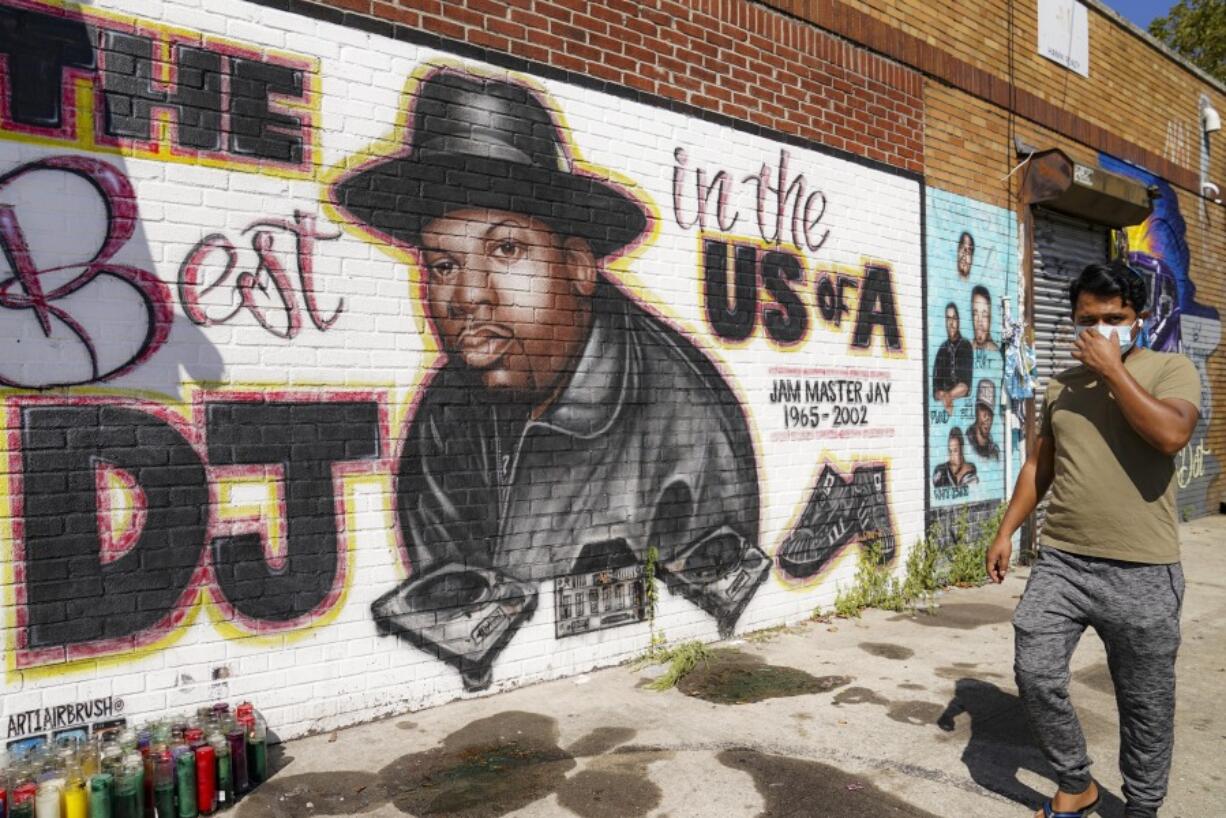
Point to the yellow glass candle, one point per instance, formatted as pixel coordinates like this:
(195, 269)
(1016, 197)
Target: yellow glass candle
(76, 800)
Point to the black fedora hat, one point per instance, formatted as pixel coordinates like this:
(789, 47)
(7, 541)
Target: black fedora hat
(479, 142)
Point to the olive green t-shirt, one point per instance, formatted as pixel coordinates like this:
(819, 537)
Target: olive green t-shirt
(1113, 495)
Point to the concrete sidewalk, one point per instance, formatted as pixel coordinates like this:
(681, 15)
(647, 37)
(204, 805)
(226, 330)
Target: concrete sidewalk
(913, 716)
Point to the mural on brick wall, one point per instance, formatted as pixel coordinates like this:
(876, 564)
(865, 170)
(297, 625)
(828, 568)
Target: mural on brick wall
(379, 355)
(970, 269)
(1178, 322)
(569, 430)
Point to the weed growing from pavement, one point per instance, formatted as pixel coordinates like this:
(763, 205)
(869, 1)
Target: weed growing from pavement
(652, 596)
(875, 586)
(968, 555)
(681, 659)
(929, 568)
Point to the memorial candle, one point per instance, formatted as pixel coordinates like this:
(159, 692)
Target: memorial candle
(185, 783)
(163, 784)
(100, 790)
(22, 795)
(47, 798)
(206, 779)
(236, 737)
(76, 799)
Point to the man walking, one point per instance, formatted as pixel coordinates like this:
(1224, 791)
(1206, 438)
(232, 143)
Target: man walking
(1110, 544)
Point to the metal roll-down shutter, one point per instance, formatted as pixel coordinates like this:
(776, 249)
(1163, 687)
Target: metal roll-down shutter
(1063, 246)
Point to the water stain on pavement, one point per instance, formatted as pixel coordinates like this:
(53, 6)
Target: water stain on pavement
(915, 712)
(490, 767)
(735, 677)
(961, 616)
(860, 695)
(792, 788)
(405, 725)
(601, 740)
(1096, 677)
(912, 686)
(614, 785)
(904, 712)
(886, 650)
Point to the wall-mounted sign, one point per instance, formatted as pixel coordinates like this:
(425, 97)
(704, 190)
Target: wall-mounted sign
(1064, 34)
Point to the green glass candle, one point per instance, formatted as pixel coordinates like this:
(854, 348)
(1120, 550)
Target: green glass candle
(163, 783)
(257, 751)
(225, 773)
(100, 791)
(164, 801)
(126, 801)
(134, 769)
(185, 783)
(257, 761)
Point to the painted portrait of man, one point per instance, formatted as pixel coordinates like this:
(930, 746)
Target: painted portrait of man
(954, 364)
(568, 430)
(979, 433)
(981, 319)
(966, 254)
(955, 471)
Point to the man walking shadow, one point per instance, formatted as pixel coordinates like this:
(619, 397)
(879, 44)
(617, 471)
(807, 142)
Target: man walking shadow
(1000, 745)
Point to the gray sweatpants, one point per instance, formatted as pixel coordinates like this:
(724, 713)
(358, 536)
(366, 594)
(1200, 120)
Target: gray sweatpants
(1134, 607)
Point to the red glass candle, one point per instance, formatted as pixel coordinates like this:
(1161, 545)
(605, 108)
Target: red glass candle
(206, 779)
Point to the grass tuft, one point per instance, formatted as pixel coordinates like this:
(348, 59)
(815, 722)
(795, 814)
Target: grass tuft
(929, 568)
(681, 659)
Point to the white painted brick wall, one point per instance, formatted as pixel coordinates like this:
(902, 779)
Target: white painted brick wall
(335, 669)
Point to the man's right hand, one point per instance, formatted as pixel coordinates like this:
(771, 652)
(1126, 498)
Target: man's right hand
(998, 558)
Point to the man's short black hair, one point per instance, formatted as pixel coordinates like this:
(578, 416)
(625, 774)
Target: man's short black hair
(952, 306)
(956, 434)
(982, 292)
(1107, 280)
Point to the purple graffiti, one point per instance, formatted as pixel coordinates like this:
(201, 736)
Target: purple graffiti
(42, 290)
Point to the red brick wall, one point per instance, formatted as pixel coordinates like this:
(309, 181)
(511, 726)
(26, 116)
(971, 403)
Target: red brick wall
(732, 57)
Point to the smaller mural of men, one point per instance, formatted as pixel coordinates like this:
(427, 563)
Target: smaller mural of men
(955, 471)
(966, 254)
(951, 374)
(979, 433)
(981, 319)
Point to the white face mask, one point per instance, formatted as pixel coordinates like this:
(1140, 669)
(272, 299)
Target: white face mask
(1105, 330)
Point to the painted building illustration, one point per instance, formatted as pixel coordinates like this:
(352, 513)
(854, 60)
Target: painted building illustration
(466, 362)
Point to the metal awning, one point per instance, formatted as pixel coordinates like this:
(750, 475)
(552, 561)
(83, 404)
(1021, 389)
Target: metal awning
(1058, 183)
